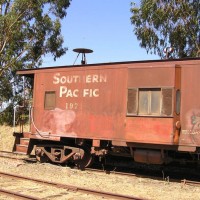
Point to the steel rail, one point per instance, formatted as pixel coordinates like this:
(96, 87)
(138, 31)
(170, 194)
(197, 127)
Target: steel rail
(110, 172)
(9, 157)
(141, 176)
(188, 182)
(9, 152)
(75, 188)
(30, 160)
(23, 157)
(18, 195)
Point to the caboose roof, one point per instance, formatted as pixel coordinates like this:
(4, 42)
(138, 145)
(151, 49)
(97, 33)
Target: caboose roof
(132, 64)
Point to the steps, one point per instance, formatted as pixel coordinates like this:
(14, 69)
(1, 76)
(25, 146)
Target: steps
(21, 144)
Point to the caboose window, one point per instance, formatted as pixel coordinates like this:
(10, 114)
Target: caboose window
(178, 101)
(149, 101)
(50, 100)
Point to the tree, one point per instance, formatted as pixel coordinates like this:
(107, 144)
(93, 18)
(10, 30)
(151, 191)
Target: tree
(168, 23)
(29, 30)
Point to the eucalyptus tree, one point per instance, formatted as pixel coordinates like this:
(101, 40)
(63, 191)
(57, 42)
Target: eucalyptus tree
(162, 23)
(29, 30)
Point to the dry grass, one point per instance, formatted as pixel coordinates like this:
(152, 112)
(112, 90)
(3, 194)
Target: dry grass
(6, 137)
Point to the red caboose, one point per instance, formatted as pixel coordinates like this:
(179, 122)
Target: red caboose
(148, 110)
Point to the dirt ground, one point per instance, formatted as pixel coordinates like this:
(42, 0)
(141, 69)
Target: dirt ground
(6, 137)
(135, 186)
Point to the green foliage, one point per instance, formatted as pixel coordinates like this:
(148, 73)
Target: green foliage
(6, 117)
(169, 23)
(21, 115)
(29, 30)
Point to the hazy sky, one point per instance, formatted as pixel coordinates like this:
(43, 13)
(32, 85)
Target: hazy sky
(103, 26)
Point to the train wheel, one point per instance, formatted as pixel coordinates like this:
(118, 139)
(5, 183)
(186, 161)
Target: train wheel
(40, 156)
(42, 159)
(84, 161)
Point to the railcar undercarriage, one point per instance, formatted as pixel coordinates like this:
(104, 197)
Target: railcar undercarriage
(83, 155)
(64, 154)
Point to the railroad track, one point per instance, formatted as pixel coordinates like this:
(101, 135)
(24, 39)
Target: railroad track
(32, 159)
(71, 188)
(161, 175)
(14, 156)
(188, 182)
(17, 195)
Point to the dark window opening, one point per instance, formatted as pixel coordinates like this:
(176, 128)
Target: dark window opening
(50, 100)
(178, 102)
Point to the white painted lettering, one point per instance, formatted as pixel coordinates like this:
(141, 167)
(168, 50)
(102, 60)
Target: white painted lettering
(63, 80)
(88, 79)
(85, 92)
(76, 79)
(103, 78)
(69, 79)
(96, 93)
(68, 92)
(56, 79)
(71, 106)
(75, 93)
(90, 93)
(63, 90)
(95, 78)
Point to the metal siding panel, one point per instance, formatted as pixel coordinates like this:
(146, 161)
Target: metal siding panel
(151, 77)
(155, 130)
(149, 130)
(190, 106)
(90, 103)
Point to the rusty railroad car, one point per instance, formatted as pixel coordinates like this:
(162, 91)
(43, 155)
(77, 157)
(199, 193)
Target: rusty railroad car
(147, 110)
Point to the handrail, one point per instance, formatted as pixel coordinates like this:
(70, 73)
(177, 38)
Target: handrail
(30, 121)
(14, 117)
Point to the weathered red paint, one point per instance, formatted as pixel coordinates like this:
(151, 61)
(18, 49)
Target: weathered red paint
(190, 105)
(149, 130)
(91, 102)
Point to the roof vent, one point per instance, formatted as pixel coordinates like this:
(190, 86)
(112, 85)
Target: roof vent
(83, 51)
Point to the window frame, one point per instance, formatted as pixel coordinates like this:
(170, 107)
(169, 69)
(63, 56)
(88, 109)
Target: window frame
(52, 106)
(161, 114)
